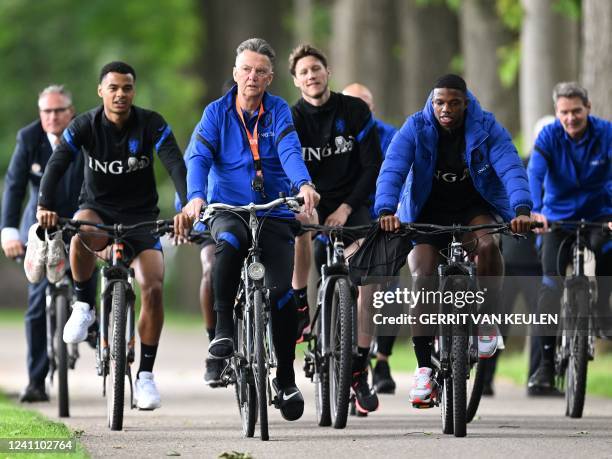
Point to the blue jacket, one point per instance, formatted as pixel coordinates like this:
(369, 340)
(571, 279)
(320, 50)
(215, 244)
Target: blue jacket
(558, 189)
(27, 166)
(492, 160)
(220, 166)
(385, 134)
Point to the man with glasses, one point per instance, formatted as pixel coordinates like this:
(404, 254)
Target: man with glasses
(245, 149)
(35, 143)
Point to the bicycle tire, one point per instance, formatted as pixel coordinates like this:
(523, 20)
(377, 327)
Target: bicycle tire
(576, 376)
(260, 365)
(477, 375)
(61, 350)
(341, 356)
(321, 379)
(446, 403)
(118, 357)
(459, 353)
(246, 395)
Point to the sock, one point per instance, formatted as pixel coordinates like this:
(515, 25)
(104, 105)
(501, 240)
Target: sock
(86, 291)
(422, 350)
(147, 357)
(301, 297)
(225, 323)
(211, 334)
(360, 363)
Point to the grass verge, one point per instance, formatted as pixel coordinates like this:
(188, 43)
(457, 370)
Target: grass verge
(17, 422)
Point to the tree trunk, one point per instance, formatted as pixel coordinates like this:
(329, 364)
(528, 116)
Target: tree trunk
(549, 54)
(597, 55)
(302, 17)
(429, 37)
(482, 35)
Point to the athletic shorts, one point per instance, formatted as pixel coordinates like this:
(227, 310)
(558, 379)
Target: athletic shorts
(135, 242)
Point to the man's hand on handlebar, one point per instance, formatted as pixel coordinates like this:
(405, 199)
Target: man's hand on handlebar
(46, 218)
(311, 198)
(521, 224)
(389, 223)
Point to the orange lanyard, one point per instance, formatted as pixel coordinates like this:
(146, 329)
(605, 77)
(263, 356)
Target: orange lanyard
(253, 139)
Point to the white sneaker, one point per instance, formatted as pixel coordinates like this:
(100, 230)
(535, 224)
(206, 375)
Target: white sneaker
(36, 254)
(420, 393)
(56, 257)
(487, 345)
(146, 395)
(80, 320)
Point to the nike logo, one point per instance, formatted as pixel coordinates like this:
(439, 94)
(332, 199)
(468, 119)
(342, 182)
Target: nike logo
(287, 397)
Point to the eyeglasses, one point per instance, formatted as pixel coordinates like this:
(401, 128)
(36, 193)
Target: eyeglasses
(57, 111)
(246, 70)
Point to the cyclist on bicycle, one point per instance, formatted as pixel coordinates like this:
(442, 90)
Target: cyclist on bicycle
(246, 123)
(117, 140)
(459, 167)
(341, 149)
(570, 176)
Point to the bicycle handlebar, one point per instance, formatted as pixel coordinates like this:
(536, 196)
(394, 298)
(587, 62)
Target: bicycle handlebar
(292, 202)
(117, 230)
(428, 228)
(582, 224)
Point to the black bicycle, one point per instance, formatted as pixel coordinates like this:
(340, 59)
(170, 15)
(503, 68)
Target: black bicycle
(116, 334)
(333, 343)
(576, 337)
(254, 357)
(455, 352)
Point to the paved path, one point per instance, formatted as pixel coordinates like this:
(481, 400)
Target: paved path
(196, 421)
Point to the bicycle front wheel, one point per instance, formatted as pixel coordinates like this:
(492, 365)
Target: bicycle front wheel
(340, 358)
(321, 377)
(246, 396)
(476, 386)
(61, 349)
(116, 377)
(576, 376)
(260, 364)
(459, 353)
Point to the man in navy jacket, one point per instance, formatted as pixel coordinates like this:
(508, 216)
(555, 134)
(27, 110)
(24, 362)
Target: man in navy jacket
(455, 164)
(570, 175)
(35, 143)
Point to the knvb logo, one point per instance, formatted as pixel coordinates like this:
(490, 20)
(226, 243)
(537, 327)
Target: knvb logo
(342, 146)
(119, 167)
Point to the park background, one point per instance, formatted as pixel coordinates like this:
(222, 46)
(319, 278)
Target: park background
(511, 53)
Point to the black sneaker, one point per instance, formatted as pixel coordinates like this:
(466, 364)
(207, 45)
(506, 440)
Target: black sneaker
(383, 382)
(34, 393)
(212, 374)
(487, 389)
(92, 334)
(542, 382)
(365, 399)
(289, 400)
(303, 320)
(222, 347)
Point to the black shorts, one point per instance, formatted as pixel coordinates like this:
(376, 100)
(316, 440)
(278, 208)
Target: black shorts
(137, 241)
(359, 217)
(442, 241)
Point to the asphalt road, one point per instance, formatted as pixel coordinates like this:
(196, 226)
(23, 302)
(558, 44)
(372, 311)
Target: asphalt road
(196, 421)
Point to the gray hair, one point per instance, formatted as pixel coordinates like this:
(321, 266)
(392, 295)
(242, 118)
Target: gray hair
(56, 89)
(257, 45)
(570, 89)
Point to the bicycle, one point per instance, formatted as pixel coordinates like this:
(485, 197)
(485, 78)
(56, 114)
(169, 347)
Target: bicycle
(575, 345)
(333, 343)
(116, 332)
(455, 353)
(254, 357)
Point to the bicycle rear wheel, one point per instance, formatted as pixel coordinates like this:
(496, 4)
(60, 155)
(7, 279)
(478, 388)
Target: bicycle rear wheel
(459, 353)
(260, 364)
(475, 388)
(576, 376)
(61, 349)
(340, 358)
(117, 364)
